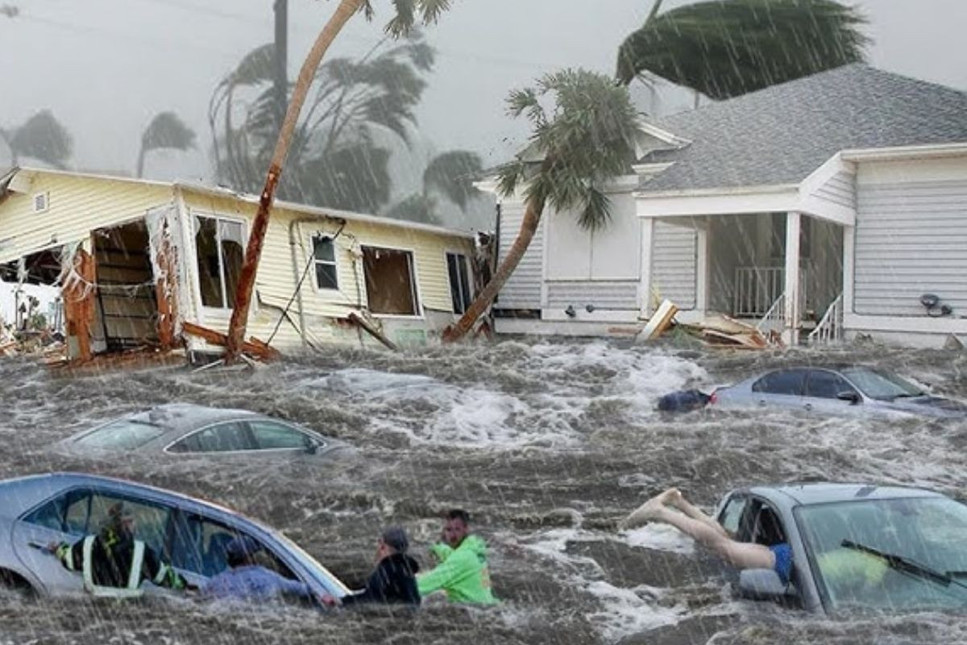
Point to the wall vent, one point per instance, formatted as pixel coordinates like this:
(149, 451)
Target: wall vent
(41, 202)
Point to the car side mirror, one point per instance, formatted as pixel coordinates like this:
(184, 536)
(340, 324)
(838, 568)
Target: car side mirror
(762, 584)
(312, 447)
(849, 395)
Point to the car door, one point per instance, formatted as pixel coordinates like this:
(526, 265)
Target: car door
(823, 389)
(71, 515)
(780, 389)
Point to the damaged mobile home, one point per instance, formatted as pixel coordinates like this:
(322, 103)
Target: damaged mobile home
(143, 263)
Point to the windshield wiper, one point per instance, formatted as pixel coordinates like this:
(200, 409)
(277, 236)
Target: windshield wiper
(906, 565)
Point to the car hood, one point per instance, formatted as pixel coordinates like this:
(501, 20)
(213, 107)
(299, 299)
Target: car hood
(935, 406)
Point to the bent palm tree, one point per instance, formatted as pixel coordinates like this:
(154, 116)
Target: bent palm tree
(726, 48)
(406, 16)
(449, 174)
(166, 130)
(41, 137)
(587, 140)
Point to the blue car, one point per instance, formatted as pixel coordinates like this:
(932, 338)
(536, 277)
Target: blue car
(191, 534)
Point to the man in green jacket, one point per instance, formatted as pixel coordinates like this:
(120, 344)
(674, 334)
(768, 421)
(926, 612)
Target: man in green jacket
(462, 571)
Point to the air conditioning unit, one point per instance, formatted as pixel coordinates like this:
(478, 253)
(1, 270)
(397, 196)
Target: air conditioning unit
(41, 202)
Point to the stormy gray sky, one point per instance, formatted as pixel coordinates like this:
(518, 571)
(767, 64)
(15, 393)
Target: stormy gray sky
(105, 67)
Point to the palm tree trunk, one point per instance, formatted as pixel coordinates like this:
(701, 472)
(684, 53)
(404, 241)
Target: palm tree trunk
(141, 154)
(246, 281)
(528, 227)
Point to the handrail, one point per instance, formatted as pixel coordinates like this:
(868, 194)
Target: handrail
(830, 327)
(775, 312)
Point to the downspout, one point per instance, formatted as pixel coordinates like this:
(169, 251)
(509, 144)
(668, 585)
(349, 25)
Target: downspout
(297, 273)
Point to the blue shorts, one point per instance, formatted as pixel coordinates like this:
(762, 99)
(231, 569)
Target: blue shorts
(783, 566)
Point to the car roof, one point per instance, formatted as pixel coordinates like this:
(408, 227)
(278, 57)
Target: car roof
(184, 417)
(828, 492)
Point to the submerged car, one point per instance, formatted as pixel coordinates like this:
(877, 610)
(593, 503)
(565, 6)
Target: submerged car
(854, 547)
(836, 391)
(183, 428)
(190, 533)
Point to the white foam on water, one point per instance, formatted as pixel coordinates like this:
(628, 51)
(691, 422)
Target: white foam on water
(631, 611)
(660, 537)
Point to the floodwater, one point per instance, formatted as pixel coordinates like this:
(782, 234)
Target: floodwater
(547, 444)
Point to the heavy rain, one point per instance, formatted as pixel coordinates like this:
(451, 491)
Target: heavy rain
(805, 216)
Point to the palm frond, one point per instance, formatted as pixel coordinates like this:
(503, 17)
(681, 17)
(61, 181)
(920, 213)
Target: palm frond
(415, 208)
(726, 48)
(452, 174)
(43, 137)
(167, 130)
(406, 14)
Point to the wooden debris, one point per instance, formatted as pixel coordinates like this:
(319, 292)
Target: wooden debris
(254, 346)
(365, 325)
(725, 332)
(659, 321)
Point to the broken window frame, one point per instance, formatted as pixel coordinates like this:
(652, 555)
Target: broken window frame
(415, 298)
(461, 294)
(219, 219)
(316, 261)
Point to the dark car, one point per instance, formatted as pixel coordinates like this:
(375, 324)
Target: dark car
(183, 429)
(836, 391)
(191, 533)
(855, 547)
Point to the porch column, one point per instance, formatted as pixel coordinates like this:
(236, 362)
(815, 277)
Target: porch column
(701, 269)
(791, 313)
(644, 286)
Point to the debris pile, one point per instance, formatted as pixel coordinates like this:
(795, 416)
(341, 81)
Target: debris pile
(718, 331)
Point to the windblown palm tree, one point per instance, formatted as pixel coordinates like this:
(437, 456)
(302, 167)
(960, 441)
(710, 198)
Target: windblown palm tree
(586, 140)
(407, 13)
(726, 48)
(41, 137)
(166, 130)
(449, 175)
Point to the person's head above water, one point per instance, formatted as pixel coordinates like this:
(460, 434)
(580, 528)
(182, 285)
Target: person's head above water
(456, 527)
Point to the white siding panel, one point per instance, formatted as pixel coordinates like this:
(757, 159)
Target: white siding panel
(601, 295)
(911, 239)
(523, 289)
(840, 190)
(674, 262)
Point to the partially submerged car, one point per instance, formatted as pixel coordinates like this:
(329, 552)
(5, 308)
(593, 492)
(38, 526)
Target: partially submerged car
(190, 533)
(183, 428)
(836, 391)
(854, 547)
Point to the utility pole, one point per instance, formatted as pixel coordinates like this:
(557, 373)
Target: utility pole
(281, 54)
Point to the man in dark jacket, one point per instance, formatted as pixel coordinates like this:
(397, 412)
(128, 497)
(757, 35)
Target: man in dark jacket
(113, 563)
(394, 580)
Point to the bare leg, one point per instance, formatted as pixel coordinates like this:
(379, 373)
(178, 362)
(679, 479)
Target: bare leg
(740, 555)
(678, 500)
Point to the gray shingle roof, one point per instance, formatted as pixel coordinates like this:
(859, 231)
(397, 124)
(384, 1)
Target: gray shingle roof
(783, 133)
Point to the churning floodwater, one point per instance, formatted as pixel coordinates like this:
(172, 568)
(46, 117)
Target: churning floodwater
(547, 444)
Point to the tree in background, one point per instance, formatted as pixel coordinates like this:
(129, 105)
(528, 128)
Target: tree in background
(726, 48)
(41, 137)
(575, 149)
(407, 12)
(166, 131)
(449, 175)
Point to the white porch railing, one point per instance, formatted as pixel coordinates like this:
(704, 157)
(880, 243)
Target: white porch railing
(775, 318)
(830, 328)
(758, 288)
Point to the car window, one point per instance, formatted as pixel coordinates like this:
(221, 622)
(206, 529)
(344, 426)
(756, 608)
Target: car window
(732, 513)
(788, 382)
(270, 435)
(881, 385)
(123, 434)
(767, 529)
(199, 547)
(826, 385)
(84, 512)
(224, 437)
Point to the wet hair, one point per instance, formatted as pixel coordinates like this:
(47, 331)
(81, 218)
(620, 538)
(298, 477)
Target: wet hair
(459, 514)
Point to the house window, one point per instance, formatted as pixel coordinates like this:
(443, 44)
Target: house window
(460, 294)
(324, 254)
(390, 282)
(218, 245)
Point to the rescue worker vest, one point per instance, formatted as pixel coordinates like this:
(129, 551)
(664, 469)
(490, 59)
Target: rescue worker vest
(133, 587)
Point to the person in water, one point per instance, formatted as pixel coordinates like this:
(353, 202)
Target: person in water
(671, 507)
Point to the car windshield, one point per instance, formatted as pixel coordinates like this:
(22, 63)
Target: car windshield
(121, 434)
(881, 385)
(896, 554)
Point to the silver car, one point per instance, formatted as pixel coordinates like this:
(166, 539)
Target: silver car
(189, 533)
(182, 428)
(854, 547)
(836, 391)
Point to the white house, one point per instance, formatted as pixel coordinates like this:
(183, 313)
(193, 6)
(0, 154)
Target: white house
(829, 206)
